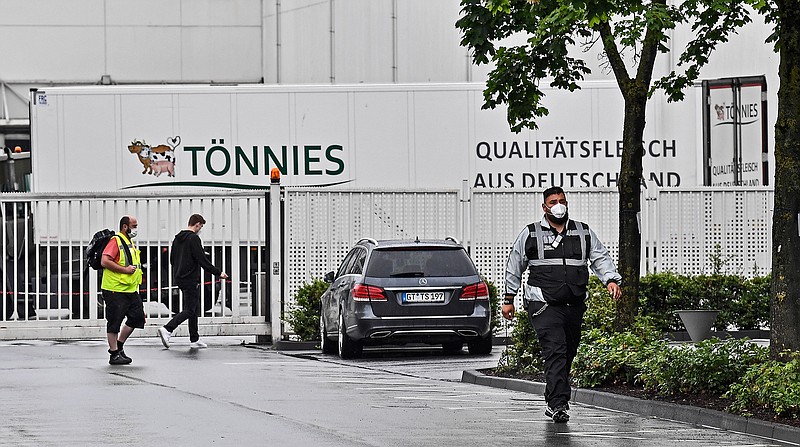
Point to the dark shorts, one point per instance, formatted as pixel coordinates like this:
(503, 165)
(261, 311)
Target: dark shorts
(120, 305)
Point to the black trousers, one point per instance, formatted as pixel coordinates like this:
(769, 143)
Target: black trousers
(190, 311)
(558, 329)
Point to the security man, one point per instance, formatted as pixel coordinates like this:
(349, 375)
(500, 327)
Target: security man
(122, 275)
(556, 252)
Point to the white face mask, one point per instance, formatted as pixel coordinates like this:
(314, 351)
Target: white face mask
(558, 210)
(133, 232)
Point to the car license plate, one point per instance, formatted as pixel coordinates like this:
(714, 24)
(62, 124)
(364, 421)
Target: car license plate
(423, 297)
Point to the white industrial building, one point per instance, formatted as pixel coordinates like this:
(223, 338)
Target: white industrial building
(80, 42)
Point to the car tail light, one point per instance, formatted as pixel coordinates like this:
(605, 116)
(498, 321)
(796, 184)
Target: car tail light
(477, 291)
(363, 292)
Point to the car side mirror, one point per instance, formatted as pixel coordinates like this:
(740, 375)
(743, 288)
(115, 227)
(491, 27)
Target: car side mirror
(328, 277)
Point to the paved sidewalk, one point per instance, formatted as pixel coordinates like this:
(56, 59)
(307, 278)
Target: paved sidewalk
(650, 408)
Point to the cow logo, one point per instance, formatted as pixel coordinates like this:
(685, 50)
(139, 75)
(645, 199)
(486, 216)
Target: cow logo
(720, 109)
(156, 160)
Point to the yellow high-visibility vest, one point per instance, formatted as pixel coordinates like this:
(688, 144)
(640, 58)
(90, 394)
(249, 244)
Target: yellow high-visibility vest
(123, 282)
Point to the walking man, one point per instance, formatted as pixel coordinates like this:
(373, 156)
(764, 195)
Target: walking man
(556, 251)
(122, 275)
(186, 257)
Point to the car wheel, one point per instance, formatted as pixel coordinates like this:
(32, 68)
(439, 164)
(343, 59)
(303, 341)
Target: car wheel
(481, 346)
(325, 343)
(348, 348)
(452, 347)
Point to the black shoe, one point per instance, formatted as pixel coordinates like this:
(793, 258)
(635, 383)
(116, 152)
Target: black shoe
(122, 354)
(117, 359)
(558, 414)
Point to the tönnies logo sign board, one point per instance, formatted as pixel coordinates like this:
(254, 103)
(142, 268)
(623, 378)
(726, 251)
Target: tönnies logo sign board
(104, 138)
(735, 132)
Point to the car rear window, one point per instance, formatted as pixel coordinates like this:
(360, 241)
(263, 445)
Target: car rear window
(398, 263)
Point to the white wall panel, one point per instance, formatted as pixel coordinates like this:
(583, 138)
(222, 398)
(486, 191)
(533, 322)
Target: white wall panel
(373, 110)
(140, 54)
(305, 42)
(43, 53)
(320, 114)
(428, 45)
(221, 12)
(143, 13)
(268, 123)
(95, 129)
(221, 54)
(440, 120)
(51, 12)
(363, 46)
(269, 42)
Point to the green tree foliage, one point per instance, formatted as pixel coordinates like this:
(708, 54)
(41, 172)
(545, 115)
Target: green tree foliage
(631, 34)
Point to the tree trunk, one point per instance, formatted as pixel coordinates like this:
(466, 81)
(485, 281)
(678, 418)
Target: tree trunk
(785, 301)
(630, 181)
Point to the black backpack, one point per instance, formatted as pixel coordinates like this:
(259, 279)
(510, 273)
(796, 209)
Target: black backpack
(94, 251)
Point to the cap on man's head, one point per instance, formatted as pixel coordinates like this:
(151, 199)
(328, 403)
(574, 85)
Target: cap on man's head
(552, 190)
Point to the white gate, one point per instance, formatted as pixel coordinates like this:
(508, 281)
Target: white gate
(50, 293)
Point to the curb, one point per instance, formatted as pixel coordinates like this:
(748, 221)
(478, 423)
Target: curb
(648, 408)
(285, 345)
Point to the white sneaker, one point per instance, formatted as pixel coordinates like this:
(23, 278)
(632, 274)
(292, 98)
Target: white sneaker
(164, 334)
(197, 344)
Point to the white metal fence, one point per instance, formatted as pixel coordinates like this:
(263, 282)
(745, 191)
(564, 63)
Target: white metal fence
(322, 225)
(50, 294)
(683, 230)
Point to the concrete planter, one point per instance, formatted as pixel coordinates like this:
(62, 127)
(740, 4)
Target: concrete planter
(698, 322)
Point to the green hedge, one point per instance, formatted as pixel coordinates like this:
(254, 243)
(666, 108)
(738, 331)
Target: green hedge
(710, 366)
(743, 303)
(608, 358)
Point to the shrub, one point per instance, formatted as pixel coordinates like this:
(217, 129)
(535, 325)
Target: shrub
(710, 366)
(494, 306)
(601, 308)
(772, 385)
(304, 318)
(742, 303)
(606, 358)
(752, 310)
(719, 292)
(523, 355)
(660, 294)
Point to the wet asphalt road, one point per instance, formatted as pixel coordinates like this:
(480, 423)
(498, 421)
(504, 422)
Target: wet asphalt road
(65, 393)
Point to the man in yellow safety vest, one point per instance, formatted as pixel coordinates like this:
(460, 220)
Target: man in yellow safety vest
(122, 275)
